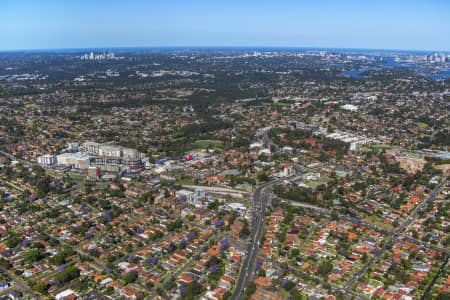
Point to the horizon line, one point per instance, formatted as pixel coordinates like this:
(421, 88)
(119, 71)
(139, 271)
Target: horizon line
(192, 47)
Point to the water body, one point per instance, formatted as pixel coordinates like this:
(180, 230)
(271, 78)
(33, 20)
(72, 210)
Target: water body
(426, 73)
(355, 73)
(442, 75)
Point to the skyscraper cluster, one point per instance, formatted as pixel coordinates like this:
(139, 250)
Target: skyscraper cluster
(436, 58)
(101, 56)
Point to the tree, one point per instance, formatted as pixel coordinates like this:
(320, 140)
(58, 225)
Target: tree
(192, 290)
(289, 286)
(251, 289)
(68, 274)
(4, 263)
(295, 252)
(325, 268)
(227, 295)
(81, 284)
(12, 241)
(364, 258)
(175, 225)
(214, 205)
(169, 285)
(296, 295)
(443, 296)
(245, 231)
(60, 258)
(340, 296)
(262, 176)
(33, 255)
(130, 277)
(40, 287)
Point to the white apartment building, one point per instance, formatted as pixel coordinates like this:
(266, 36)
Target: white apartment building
(47, 159)
(91, 147)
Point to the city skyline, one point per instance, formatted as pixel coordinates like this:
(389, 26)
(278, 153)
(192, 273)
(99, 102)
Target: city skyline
(404, 25)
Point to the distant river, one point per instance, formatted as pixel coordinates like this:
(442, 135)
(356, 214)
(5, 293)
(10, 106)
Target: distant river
(356, 73)
(439, 76)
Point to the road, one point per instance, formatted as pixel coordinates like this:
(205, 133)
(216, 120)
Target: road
(328, 212)
(349, 294)
(12, 185)
(270, 143)
(260, 199)
(178, 272)
(20, 284)
(310, 233)
(441, 269)
(393, 234)
(424, 244)
(11, 157)
(402, 227)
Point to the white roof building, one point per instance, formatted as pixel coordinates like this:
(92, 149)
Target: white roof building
(350, 107)
(256, 145)
(64, 294)
(76, 160)
(264, 151)
(47, 159)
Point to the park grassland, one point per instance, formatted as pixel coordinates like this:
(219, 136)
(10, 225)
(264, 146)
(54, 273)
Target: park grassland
(378, 222)
(185, 181)
(170, 99)
(422, 125)
(204, 144)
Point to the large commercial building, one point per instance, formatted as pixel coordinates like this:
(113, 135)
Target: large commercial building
(113, 158)
(94, 148)
(103, 157)
(356, 142)
(91, 148)
(47, 160)
(75, 160)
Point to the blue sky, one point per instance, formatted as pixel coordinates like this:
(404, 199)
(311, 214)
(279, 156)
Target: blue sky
(375, 24)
